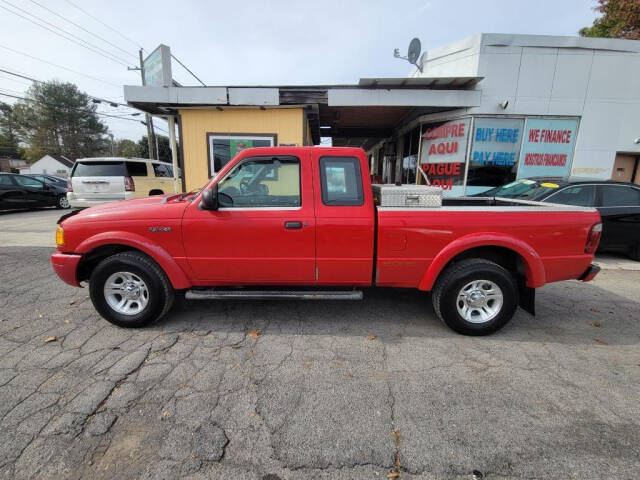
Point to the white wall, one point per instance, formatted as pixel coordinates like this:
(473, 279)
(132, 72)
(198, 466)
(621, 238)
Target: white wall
(48, 165)
(595, 79)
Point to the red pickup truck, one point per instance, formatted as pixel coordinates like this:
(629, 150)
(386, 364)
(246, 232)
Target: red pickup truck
(300, 222)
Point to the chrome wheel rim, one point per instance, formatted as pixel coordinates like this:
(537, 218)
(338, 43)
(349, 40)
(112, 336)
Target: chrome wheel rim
(479, 301)
(64, 203)
(126, 293)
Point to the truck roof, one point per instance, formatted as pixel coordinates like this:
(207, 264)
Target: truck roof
(284, 150)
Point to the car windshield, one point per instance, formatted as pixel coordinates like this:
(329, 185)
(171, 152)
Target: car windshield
(523, 188)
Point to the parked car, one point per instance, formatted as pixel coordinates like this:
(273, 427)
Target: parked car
(617, 202)
(23, 192)
(99, 180)
(49, 179)
(300, 222)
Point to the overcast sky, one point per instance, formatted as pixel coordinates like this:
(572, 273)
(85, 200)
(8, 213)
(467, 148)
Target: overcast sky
(253, 43)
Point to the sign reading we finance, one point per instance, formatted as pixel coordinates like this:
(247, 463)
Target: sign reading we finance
(547, 147)
(443, 152)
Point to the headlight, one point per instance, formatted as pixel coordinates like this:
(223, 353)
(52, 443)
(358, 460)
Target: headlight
(59, 237)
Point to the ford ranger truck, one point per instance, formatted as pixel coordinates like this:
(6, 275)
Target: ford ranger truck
(300, 222)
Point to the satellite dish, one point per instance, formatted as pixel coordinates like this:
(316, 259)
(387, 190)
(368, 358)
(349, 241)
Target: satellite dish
(413, 54)
(414, 51)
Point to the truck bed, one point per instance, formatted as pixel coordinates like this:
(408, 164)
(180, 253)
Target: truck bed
(549, 238)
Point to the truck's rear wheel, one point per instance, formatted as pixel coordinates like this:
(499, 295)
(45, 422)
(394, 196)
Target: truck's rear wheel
(475, 297)
(130, 290)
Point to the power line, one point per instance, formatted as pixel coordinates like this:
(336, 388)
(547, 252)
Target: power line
(102, 23)
(59, 66)
(19, 75)
(81, 42)
(183, 66)
(113, 104)
(84, 29)
(14, 80)
(68, 107)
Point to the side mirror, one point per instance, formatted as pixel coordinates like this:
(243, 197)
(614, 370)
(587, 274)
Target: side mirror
(210, 199)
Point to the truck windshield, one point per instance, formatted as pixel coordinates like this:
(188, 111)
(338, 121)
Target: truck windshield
(523, 188)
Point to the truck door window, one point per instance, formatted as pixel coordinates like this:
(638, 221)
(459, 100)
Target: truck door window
(262, 182)
(341, 181)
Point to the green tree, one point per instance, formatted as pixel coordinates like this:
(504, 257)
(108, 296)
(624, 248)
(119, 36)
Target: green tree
(620, 19)
(59, 119)
(9, 141)
(164, 148)
(126, 148)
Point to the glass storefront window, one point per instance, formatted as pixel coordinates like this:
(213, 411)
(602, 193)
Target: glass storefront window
(547, 148)
(443, 154)
(494, 154)
(223, 148)
(410, 156)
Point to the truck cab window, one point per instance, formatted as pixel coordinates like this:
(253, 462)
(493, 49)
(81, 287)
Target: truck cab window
(341, 181)
(262, 182)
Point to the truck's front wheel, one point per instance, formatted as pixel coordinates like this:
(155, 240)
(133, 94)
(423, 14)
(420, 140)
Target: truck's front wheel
(475, 297)
(130, 290)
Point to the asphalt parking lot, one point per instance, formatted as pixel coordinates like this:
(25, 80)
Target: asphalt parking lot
(297, 390)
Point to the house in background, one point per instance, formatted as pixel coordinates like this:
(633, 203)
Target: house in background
(59, 166)
(12, 165)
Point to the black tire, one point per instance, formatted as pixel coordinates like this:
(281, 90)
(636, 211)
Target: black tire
(62, 202)
(455, 277)
(160, 291)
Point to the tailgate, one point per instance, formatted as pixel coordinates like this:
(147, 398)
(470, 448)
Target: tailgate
(98, 187)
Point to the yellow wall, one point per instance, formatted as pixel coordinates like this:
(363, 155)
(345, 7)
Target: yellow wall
(286, 123)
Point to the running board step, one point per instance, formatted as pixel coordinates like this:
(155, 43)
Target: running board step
(273, 294)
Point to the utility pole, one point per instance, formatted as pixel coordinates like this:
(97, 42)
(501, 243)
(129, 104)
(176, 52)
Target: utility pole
(151, 136)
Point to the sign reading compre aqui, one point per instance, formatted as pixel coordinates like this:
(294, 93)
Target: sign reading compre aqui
(443, 154)
(547, 148)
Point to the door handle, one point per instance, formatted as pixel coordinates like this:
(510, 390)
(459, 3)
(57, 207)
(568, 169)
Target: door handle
(293, 225)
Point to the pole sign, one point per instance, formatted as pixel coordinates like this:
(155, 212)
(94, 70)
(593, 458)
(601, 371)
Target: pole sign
(443, 153)
(547, 148)
(157, 68)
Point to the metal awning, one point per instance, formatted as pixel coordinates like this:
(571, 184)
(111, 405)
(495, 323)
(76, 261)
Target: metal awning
(419, 82)
(350, 114)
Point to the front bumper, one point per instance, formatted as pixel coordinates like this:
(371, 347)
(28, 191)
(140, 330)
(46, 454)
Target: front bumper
(66, 265)
(590, 273)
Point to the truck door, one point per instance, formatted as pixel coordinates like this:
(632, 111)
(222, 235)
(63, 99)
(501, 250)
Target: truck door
(264, 230)
(344, 219)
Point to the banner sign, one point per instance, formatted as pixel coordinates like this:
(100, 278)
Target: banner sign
(443, 153)
(547, 148)
(496, 142)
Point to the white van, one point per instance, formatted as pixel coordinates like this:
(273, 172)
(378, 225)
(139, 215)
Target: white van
(110, 179)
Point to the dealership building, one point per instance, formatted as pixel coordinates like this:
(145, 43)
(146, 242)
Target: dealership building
(476, 113)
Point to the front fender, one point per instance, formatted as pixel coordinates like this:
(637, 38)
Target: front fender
(534, 269)
(176, 275)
